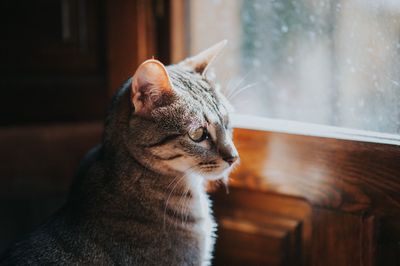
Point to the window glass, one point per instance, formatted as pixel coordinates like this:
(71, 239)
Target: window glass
(320, 61)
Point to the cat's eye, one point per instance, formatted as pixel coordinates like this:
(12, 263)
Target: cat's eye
(199, 134)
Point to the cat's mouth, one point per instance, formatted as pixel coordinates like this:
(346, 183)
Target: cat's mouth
(214, 170)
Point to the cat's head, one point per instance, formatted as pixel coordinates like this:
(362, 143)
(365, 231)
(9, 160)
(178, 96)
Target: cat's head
(180, 121)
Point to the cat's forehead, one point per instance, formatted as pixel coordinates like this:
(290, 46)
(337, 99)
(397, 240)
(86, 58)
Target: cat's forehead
(199, 94)
(185, 80)
(192, 84)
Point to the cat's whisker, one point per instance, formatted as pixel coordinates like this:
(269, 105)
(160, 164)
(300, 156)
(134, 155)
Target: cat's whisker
(231, 90)
(239, 91)
(176, 180)
(185, 206)
(173, 180)
(184, 173)
(225, 183)
(238, 85)
(229, 86)
(182, 201)
(171, 192)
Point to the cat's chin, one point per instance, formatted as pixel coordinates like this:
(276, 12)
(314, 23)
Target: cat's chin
(217, 175)
(220, 174)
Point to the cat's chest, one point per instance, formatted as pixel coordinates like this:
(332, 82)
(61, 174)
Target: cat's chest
(205, 228)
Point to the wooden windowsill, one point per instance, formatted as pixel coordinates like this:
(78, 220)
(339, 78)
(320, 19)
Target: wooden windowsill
(309, 129)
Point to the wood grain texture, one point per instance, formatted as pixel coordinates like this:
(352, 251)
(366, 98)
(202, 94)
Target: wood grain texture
(122, 41)
(335, 238)
(179, 42)
(137, 30)
(256, 228)
(349, 176)
(352, 189)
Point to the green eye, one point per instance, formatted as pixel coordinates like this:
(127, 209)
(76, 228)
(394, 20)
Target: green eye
(199, 134)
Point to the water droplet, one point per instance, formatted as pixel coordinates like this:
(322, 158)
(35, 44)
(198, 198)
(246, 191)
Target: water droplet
(256, 63)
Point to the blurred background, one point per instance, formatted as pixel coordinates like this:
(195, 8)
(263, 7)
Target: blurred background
(331, 62)
(318, 61)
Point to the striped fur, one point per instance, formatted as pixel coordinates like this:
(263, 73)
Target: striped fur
(139, 197)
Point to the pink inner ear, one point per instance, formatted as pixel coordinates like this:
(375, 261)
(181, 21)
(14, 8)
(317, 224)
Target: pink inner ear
(149, 86)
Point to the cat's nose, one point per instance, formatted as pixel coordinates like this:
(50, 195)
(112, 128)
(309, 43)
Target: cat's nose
(231, 159)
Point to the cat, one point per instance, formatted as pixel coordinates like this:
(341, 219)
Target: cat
(138, 197)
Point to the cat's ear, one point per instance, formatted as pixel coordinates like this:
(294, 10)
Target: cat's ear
(151, 86)
(200, 62)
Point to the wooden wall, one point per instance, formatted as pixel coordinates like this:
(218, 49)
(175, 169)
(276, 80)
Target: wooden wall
(61, 63)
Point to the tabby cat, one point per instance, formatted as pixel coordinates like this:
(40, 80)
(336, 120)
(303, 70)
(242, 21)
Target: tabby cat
(139, 198)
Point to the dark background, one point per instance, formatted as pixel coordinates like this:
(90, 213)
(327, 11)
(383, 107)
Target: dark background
(61, 62)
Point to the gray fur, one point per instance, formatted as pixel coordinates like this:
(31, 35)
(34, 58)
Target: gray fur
(129, 205)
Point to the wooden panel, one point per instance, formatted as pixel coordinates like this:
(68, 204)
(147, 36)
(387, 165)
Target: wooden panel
(63, 60)
(179, 13)
(334, 237)
(162, 26)
(388, 241)
(345, 175)
(132, 38)
(352, 189)
(122, 57)
(53, 61)
(178, 16)
(368, 240)
(49, 37)
(38, 100)
(253, 231)
(43, 158)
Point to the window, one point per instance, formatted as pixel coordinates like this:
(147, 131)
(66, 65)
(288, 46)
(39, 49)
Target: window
(312, 62)
(326, 62)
